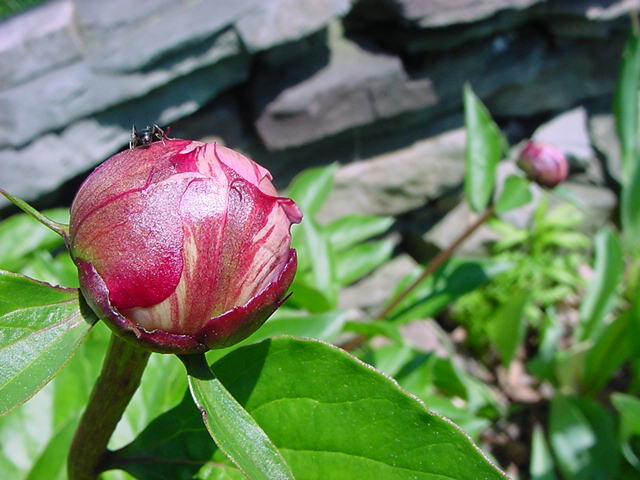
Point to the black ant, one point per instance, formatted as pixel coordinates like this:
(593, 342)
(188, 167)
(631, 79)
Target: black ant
(147, 136)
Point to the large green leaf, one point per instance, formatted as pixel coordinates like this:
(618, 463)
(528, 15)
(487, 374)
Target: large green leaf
(178, 436)
(234, 430)
(600, 294)
(625, 106)
(332, 416)
(311, 188)
(40, 328)
(323, 326)
(40, 429)
(449, 282)
(484, 149)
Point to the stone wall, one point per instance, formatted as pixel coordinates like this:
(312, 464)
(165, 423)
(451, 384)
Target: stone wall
(373, 84)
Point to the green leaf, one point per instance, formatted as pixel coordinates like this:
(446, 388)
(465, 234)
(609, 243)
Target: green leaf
(353, 229)
(234, 430)
(372, 329)
(614, 346)
(40, 328)
(36, 427)
(516, 193)
(321, 277)
(571, 436)
(568, 240)
(311, 188)
(308, 297)
(569, 366)
(40, 430)
(358, 261)
(625, 105)
(58, 270)
(21, 235)
(484, 149)
(552, 331)
(51, 464)
(541, 464)
(507, 328)
(630, 208)
(323, 326)
(334, 417)
(583, 439)
(600, 294)
(451, 281)
(628, 407)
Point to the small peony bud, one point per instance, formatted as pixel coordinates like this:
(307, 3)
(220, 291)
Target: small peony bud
(544, 164)
(182, 246)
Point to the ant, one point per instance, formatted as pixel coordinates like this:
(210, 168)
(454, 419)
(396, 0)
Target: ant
(147, 136)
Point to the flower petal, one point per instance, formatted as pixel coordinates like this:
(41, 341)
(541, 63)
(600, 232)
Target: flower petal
(96, 293)
(240, 322)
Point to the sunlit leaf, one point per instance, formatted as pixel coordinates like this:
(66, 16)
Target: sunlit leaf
(600, 295)
(515, 194)
(40, 328)
(484, 149)
(350, 230)
(311, 188)
(234, 430)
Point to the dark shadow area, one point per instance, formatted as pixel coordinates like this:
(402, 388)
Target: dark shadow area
(240, 370)
(177, 440)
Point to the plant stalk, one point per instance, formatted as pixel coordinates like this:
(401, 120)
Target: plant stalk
(119, 379)
(431, 267)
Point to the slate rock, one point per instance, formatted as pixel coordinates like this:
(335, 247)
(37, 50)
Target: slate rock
(594, 10)
(399, 181)
(43, 165)
(274, 22)
(438, 13)
(445, 231)
(417, 41)
(580, 19)
(359, 85)
(54, 100)
(602, 130)
(597, 204)
(567, 74)
(166, 32)
(372, 292)
(36, 41)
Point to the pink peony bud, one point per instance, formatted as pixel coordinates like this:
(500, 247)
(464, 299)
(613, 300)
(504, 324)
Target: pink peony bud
(544, 164)
(183, 246)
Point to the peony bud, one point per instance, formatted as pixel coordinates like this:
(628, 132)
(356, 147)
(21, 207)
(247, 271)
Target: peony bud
(544, 164)
(182, 246)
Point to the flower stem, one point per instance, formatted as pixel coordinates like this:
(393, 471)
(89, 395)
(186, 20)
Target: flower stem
(437, 261)
(431, 267)
(119, 379)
